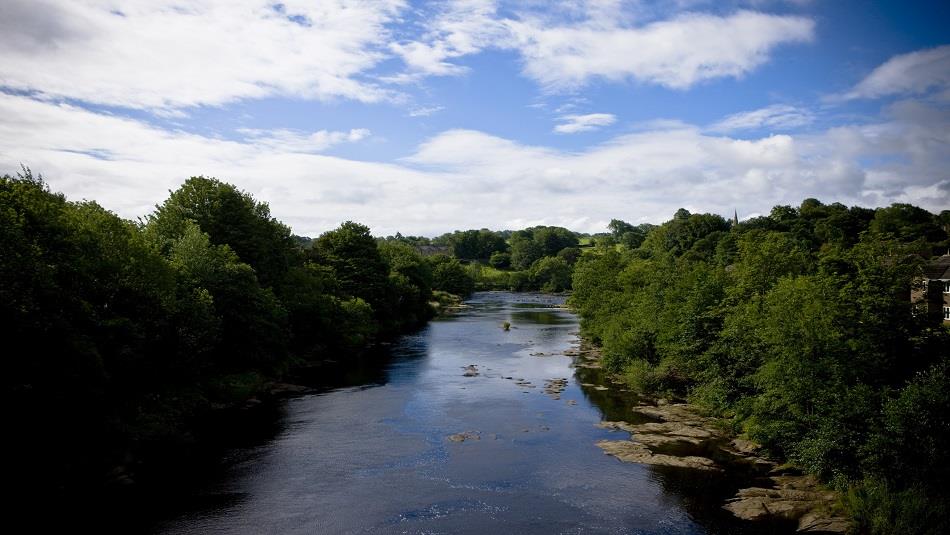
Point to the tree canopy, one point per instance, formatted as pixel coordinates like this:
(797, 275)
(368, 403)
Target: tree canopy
(797, 327)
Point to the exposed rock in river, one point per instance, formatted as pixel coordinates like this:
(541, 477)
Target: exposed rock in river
(462, 437)
(554, 387)
(782, 496)
(798, 498)
(635, 452)
(699, 444)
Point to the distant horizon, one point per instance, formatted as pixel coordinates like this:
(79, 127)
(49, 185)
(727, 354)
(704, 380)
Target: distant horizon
(493, 229)
(428, 117)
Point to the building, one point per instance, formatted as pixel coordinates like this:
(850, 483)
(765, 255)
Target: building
(434, 250)
(931, 294)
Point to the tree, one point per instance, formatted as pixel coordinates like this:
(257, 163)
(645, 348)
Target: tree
(907, 223)
(449, 275)
(410, 284)
(253, 322)
(569, 255)
(230, 217)
(551, 274)
(553, 239)
(475, 244)
(357, 265)
(524, 251)
(500, 260)
(618, 228)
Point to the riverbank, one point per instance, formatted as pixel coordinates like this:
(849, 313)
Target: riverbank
(661, 433)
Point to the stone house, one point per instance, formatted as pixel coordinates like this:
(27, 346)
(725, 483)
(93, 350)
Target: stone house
(433, 250)
(931, 294)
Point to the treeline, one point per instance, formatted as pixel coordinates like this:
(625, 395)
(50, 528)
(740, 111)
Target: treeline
(539, 258)
(118, 334)
(797, 327)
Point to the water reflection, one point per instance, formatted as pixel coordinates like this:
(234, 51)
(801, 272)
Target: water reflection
(355, 459)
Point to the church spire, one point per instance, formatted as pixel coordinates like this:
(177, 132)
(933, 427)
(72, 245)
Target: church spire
(735, 217)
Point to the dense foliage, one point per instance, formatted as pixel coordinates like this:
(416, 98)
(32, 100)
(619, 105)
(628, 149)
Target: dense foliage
(797, 327)
(533, 259)
(120, 334)
(474, 244)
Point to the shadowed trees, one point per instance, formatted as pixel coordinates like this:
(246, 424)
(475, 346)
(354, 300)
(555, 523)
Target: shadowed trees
(121, 335)
(797, 327)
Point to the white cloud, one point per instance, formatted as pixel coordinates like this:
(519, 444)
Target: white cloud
(166, 54)
(470, 179)
(675, 53)
(914, 73)
(596, 40)
(425, 111)
(460, 27)
(582, 123)
(776, 116)
(284, 140)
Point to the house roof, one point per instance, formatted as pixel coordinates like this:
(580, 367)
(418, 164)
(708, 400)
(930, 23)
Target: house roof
(938, 268)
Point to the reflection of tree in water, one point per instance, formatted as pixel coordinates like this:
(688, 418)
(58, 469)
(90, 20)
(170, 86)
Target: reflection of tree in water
(613, 404)
(541, 317)
(370, 369)
(702, 494)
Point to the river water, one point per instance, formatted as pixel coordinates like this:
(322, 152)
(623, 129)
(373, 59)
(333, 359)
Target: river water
(376, 457)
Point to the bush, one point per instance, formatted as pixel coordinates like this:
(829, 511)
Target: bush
(877, 509)
(500, 260)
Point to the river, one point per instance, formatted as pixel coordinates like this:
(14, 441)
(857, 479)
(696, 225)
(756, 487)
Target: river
(375, 456)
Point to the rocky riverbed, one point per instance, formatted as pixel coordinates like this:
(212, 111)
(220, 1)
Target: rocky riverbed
(679, 435)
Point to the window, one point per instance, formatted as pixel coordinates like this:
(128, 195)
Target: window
(946, 313)
(946, 286)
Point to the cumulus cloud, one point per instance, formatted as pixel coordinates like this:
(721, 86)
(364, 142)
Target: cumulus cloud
(776, 117)
(597, 40)
(675, 53)
(914, 73)
(572, 124)
(165, 54)
(471, 179)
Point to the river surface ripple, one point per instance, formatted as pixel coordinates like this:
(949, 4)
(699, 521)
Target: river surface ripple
(376, 457)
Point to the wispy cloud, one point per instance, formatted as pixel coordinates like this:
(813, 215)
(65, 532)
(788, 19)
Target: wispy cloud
(572, 124)
(774, 117)
(425, 111)
(458, 28)
(165, 54)
(914, 73)
(285, 140)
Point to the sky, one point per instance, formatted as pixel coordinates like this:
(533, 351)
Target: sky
(427, 117)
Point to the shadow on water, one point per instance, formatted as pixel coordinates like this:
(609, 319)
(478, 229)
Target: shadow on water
(539, 317)
(368, 451)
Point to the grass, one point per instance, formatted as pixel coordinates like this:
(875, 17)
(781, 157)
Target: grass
(488, 277)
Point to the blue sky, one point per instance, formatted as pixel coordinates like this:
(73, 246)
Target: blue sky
(424, 117)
